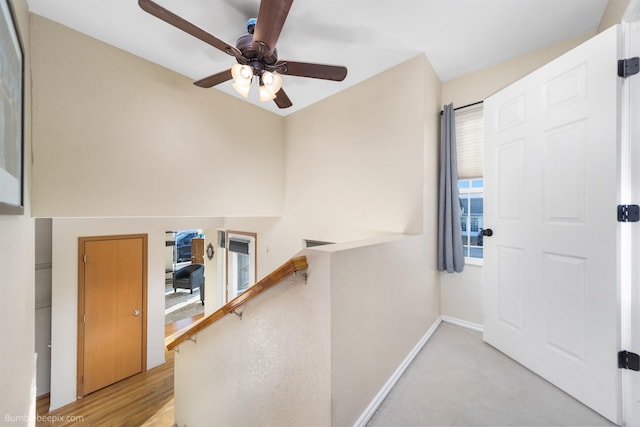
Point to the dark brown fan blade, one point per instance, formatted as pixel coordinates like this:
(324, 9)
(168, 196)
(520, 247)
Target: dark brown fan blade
(315, 71)
(184, 25)
(271, 17)
(282, 100)
(214, 79)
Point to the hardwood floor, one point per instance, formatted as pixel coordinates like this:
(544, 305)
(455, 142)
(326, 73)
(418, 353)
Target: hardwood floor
(144, 399)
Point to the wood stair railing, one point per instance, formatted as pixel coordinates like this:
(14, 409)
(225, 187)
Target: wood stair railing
(275, 277)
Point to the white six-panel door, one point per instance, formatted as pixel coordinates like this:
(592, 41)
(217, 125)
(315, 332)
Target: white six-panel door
(551, 297)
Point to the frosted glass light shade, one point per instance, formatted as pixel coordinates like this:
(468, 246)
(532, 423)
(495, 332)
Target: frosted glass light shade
(265, 95)
(242, 89)
(242, 76)
(272, 82)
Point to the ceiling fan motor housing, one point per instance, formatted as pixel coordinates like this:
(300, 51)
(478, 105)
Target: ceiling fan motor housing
(245, 44)
(255, 51)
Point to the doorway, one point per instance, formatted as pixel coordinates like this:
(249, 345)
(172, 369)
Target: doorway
(184, 287)
(112, 307)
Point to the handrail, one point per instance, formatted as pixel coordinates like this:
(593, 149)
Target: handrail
(273, 278)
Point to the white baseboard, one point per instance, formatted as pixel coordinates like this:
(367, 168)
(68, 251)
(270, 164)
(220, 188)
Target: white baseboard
(384, 391)
(463, 323)
(377, 400)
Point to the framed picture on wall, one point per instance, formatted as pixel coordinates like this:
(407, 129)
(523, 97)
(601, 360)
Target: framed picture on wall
(11, 115)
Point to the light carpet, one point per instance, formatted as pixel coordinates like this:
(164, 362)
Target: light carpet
(458, 380)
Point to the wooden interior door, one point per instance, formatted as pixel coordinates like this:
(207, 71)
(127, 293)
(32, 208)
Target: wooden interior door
(111, 310)
(551, 290)
(197, 251)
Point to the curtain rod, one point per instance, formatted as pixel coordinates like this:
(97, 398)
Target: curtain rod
(464, 106)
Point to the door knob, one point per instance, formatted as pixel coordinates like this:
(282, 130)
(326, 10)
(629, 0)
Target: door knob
(136, 313)
(488, 232)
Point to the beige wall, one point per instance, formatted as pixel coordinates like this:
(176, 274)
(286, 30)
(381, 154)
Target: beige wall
(384, 299)
(432, 105)
(115, 135)
(613, 13)
(355, 158)
(461, 295)
(17, 276)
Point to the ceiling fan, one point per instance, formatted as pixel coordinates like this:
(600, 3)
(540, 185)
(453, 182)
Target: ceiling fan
(255, 53)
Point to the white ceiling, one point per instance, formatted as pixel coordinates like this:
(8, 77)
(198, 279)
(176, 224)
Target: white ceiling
(367, 36)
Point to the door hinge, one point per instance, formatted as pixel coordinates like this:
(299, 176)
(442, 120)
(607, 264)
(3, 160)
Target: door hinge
(628, 360)
(84, 258)
(628, 67)
(628, 213)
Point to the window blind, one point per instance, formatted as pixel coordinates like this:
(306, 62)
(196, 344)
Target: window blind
(470, 142)
(239, 246)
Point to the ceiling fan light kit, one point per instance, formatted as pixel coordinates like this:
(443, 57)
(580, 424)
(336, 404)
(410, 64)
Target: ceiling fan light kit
(270, 82)
(255, 53)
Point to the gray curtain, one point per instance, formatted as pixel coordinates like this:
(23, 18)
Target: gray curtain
(450, 250)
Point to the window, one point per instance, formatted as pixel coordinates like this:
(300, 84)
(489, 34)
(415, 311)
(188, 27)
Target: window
(239, 264)
(241, 261)
(470, 158)
(470, 141)
(471, 193)
(183, 244)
